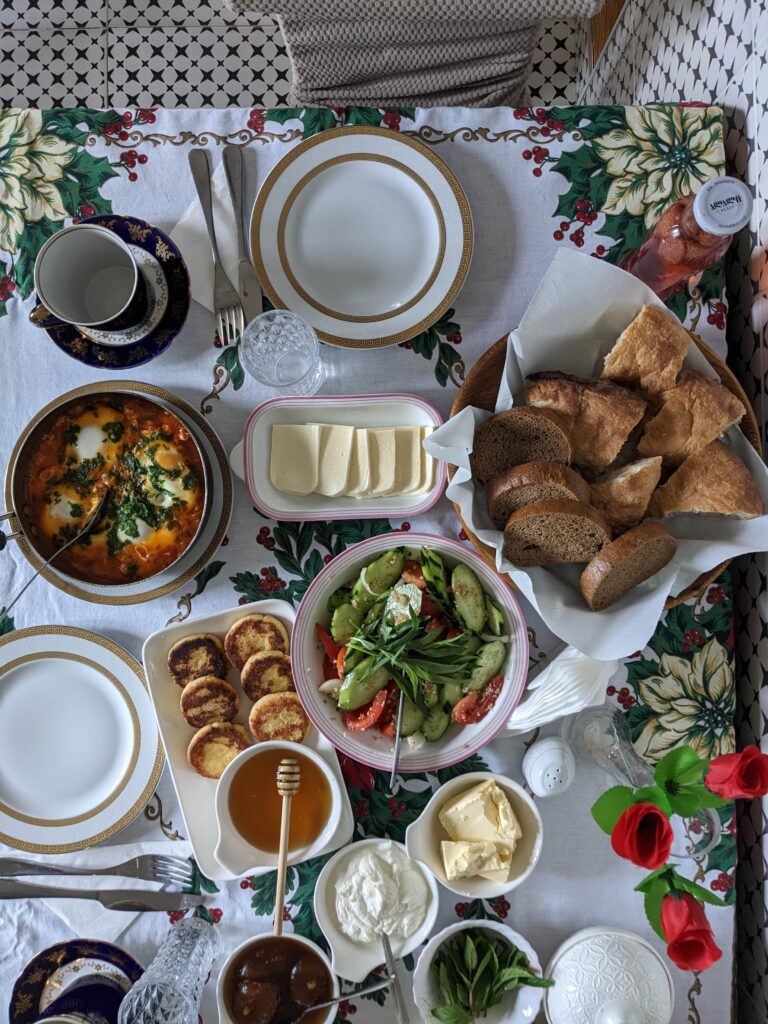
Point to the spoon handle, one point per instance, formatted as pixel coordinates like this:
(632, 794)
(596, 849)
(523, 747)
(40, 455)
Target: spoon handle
(282, 864)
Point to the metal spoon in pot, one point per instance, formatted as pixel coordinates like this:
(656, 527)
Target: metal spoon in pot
(90, 522)
(354, 994)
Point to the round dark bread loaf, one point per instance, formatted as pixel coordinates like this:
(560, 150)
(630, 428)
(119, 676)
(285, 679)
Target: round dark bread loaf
(529, 482)
(552, 532)
(518, 435)
(633, 557)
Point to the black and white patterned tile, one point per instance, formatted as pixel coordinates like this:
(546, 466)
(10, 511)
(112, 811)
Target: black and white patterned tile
(178, 12)
(53, 67)
(200, 66)
(556, 62)
(49, 13)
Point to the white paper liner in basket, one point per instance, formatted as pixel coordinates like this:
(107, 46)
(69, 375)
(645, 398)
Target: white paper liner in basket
(572, 322)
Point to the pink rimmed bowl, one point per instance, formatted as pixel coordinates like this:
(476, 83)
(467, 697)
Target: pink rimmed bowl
(371, 747)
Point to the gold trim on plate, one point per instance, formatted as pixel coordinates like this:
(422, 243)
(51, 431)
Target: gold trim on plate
(25, 660)
(70, 586)
(461, 201)
(285, 212)
(157, 768)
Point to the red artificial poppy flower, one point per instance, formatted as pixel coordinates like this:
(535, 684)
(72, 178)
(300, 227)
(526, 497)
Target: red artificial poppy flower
(690, 942)
(643, 835)
(739, 776)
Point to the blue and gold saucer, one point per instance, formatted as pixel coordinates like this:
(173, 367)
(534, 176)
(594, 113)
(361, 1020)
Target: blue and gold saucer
(167, 280)
(51, 973)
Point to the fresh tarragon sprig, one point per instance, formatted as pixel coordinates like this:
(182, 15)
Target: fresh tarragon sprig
(474, 970)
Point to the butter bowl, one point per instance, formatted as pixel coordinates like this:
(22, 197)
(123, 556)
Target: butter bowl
(423, 837)
(351, 959)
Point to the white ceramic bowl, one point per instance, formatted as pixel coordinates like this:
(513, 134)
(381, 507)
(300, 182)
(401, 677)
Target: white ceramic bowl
(353, 960)
(423, 837)
(224, 1014)
(519, 1007)
(234, 852)
(372, 747)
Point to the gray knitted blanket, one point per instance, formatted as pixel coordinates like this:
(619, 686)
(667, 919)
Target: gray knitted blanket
(425, 53)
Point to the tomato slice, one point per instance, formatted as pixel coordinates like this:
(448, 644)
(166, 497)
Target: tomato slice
(330, 646)
(366, 716)
(428, 606)
(413, 573)
(329, 668)
(452, 633)
(475, 706)
(340, 662)
(388, 721)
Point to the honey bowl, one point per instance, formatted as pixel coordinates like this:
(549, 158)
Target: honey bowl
(248, 808)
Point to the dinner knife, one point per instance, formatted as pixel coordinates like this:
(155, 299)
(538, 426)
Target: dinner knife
(401, 1011)
(112, 899)
(247, 282)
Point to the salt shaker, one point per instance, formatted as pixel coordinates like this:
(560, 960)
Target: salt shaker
(171, 987)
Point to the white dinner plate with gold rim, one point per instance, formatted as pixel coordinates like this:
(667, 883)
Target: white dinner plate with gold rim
(213, 529)
(81, 755)
(365, 233)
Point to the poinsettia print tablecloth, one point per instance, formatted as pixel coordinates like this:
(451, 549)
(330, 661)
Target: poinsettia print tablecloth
(595, 178)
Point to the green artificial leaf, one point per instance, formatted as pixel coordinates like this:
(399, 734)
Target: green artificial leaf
(698, 891)
(664, 873)
(609, 807)
(205, 576)
(653, 795)
(652, 899)
(682, 766)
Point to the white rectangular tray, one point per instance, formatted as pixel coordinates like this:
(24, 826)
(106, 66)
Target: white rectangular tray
(196, 794)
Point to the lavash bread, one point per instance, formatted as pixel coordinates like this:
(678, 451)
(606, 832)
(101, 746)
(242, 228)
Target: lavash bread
(530, 482)
(552, 532)
(599, 415)
(649, 353)
(694, 412)
(516, 436)
(623, 495)
(208, 699)
(618, 567)
(712, 481)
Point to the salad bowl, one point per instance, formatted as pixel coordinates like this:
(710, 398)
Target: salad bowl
(312, 667)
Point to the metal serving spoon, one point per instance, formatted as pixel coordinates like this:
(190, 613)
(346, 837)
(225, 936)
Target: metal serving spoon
(90, 522)
(354, 994)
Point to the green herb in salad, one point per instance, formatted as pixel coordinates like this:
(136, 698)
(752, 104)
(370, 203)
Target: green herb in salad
(474, 970)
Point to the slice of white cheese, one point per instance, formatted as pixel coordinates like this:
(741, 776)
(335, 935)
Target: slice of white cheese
(359, 482)
(382, 455)
(294, 459)
(407, 459)
(466, 859)
(336, 443)
(427, 478)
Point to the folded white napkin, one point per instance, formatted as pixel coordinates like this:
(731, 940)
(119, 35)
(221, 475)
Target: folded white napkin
(191, 236)
(571, 682)
(88, 918)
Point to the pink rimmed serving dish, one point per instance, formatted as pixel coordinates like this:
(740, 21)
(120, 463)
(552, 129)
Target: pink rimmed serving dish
(250, 458)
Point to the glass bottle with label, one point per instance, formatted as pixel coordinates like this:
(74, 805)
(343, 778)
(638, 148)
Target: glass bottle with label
(693, 233)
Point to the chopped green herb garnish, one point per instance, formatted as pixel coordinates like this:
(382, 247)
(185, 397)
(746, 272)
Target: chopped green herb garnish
(113, 431)
(75, 510)
(71, 434)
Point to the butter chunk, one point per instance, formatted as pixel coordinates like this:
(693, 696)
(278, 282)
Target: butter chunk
(336, 443)
(293, 466)
(482, 813)
(468, 859)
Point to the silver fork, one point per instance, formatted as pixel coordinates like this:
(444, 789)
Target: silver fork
(149, 867)
(230, 320)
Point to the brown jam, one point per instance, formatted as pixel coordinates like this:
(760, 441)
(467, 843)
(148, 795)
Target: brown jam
(255, 804)
(274, 980)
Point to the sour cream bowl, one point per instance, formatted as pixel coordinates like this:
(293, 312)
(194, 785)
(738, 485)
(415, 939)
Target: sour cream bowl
(351, 959)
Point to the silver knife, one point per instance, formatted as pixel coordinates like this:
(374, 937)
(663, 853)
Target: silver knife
(247, 282)
(112, 899)
(401, 1011)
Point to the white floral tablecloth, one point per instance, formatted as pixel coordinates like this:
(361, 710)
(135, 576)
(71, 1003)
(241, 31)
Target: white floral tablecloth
(593, 177)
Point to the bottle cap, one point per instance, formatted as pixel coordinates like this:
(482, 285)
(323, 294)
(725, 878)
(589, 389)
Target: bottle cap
(722, 206)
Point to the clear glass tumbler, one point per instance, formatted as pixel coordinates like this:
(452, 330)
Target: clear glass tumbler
(281, 350)
(171, 987)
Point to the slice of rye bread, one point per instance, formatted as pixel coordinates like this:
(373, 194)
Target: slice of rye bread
(633, 557)
(551, 532)
(532, 481)
(516, 436)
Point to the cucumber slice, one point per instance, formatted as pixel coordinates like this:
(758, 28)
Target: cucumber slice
(435, 724)
(452, 693)
(490, 658)
(345, 622)
(429, 694)
(412, 718)
(359, 687)
(341, 596)
(496, 622)
(468, 598)
(434, 573)
(352, 658)
(385, 571)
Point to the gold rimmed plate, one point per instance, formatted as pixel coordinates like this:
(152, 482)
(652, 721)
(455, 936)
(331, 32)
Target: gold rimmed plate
(365, 233)
(210, 534)
(81, 751)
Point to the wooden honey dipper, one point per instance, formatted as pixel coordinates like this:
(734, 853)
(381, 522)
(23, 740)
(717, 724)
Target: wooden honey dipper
(288, 782)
